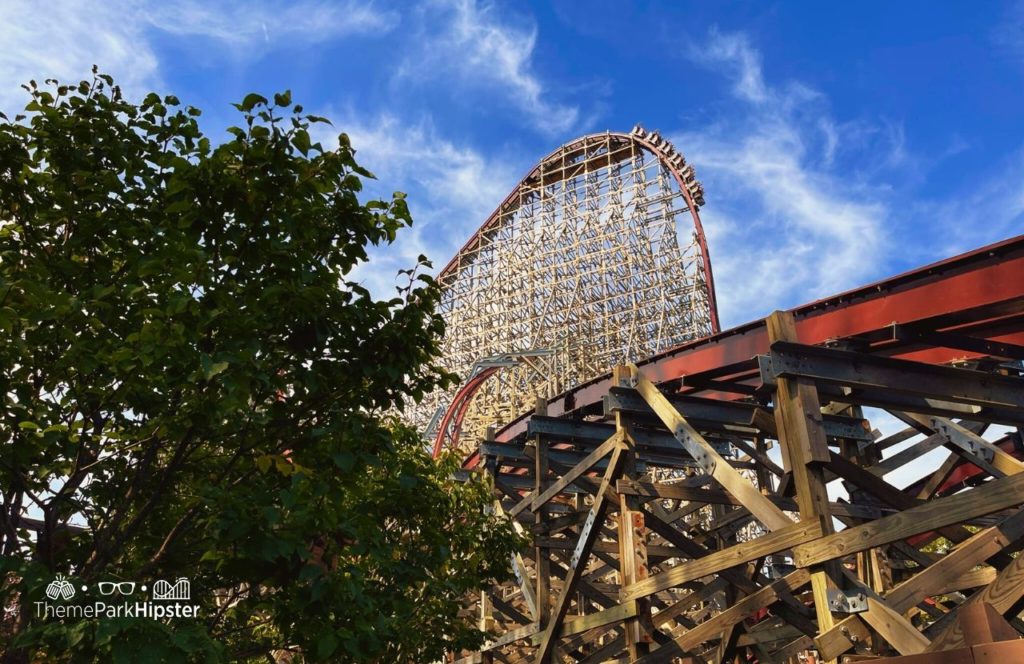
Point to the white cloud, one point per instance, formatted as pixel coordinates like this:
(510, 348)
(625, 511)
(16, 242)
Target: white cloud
(62, 39)
(247, 24)
(792, 229)
(978, 213)
(481, 51)
(452, 188)
(734, 52)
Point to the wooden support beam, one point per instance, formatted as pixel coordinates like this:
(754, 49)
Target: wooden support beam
(725, 417)
(708, 458)
(577, 471)
(714, 562)
(717, 497)
(579, 560)
(969, 441)
(800, 432)
(519, 569)
(1003, 593)
(691, 638)
(790, 610)
(632, 536)
(986, 499)
(894, 628)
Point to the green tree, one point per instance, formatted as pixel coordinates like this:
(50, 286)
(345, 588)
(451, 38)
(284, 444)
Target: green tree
(192, 386)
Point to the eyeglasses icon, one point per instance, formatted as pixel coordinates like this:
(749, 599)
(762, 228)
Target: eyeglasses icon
(122, 587)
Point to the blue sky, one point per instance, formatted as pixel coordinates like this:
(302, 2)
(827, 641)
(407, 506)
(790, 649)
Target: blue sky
(839, 143)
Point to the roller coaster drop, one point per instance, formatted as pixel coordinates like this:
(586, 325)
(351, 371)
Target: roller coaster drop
(721, 496)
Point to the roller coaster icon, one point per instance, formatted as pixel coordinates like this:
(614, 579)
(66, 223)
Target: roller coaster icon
(166, 591)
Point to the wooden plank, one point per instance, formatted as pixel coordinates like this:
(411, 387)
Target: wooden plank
(914, 452)
(541, 513)
(523, 632)
(577, 471)
(743, 608)
(716, 497)
(772, 517)
(988, 498)
(1002, 594)
(725, 416)
(956, 433)
(614, 614)
(841, 637)
(931, 581)
(580, 557)
(802, 437)
(956, 563)
(735, 614)
(519, 568)
(774, 542)
(789, 610)
(894, 628)
(755, 636)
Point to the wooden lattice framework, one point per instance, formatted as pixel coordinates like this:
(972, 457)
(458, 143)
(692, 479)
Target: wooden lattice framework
(665, 528)
(597, 257)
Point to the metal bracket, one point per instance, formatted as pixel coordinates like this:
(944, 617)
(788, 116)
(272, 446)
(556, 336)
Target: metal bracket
(968, 444)
(850, 601)
(699, 454)
(524, 584)
(764, 365)
(965, 443)
(584, 533)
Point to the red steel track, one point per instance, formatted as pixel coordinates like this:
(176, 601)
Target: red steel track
(978, 295)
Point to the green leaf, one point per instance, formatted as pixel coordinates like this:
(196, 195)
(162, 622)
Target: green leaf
(264, 462)
(195, 326)
(344, 460)
(283, 98)
(326, 645)
(211, 368)
(251, 100)
(301, 141)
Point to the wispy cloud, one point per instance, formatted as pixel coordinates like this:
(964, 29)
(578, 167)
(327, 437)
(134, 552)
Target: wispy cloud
(785, 227)
(468, 40)
(741, 61)
(248, 24)
(452, 188)
(62, 39)
(985, 210)
(1009, 34)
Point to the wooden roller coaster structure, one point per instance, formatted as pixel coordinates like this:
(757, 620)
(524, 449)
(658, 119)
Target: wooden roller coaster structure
(729, 500)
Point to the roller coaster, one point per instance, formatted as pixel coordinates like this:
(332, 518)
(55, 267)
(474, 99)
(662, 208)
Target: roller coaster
(693, 494)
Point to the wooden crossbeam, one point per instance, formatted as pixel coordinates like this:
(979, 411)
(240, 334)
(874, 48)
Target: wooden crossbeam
(1002, 594)
(990, 497)
(638, 556)
(774, 542)
(577, 471)
(579, 560)
(771, 516)
(731, 616)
